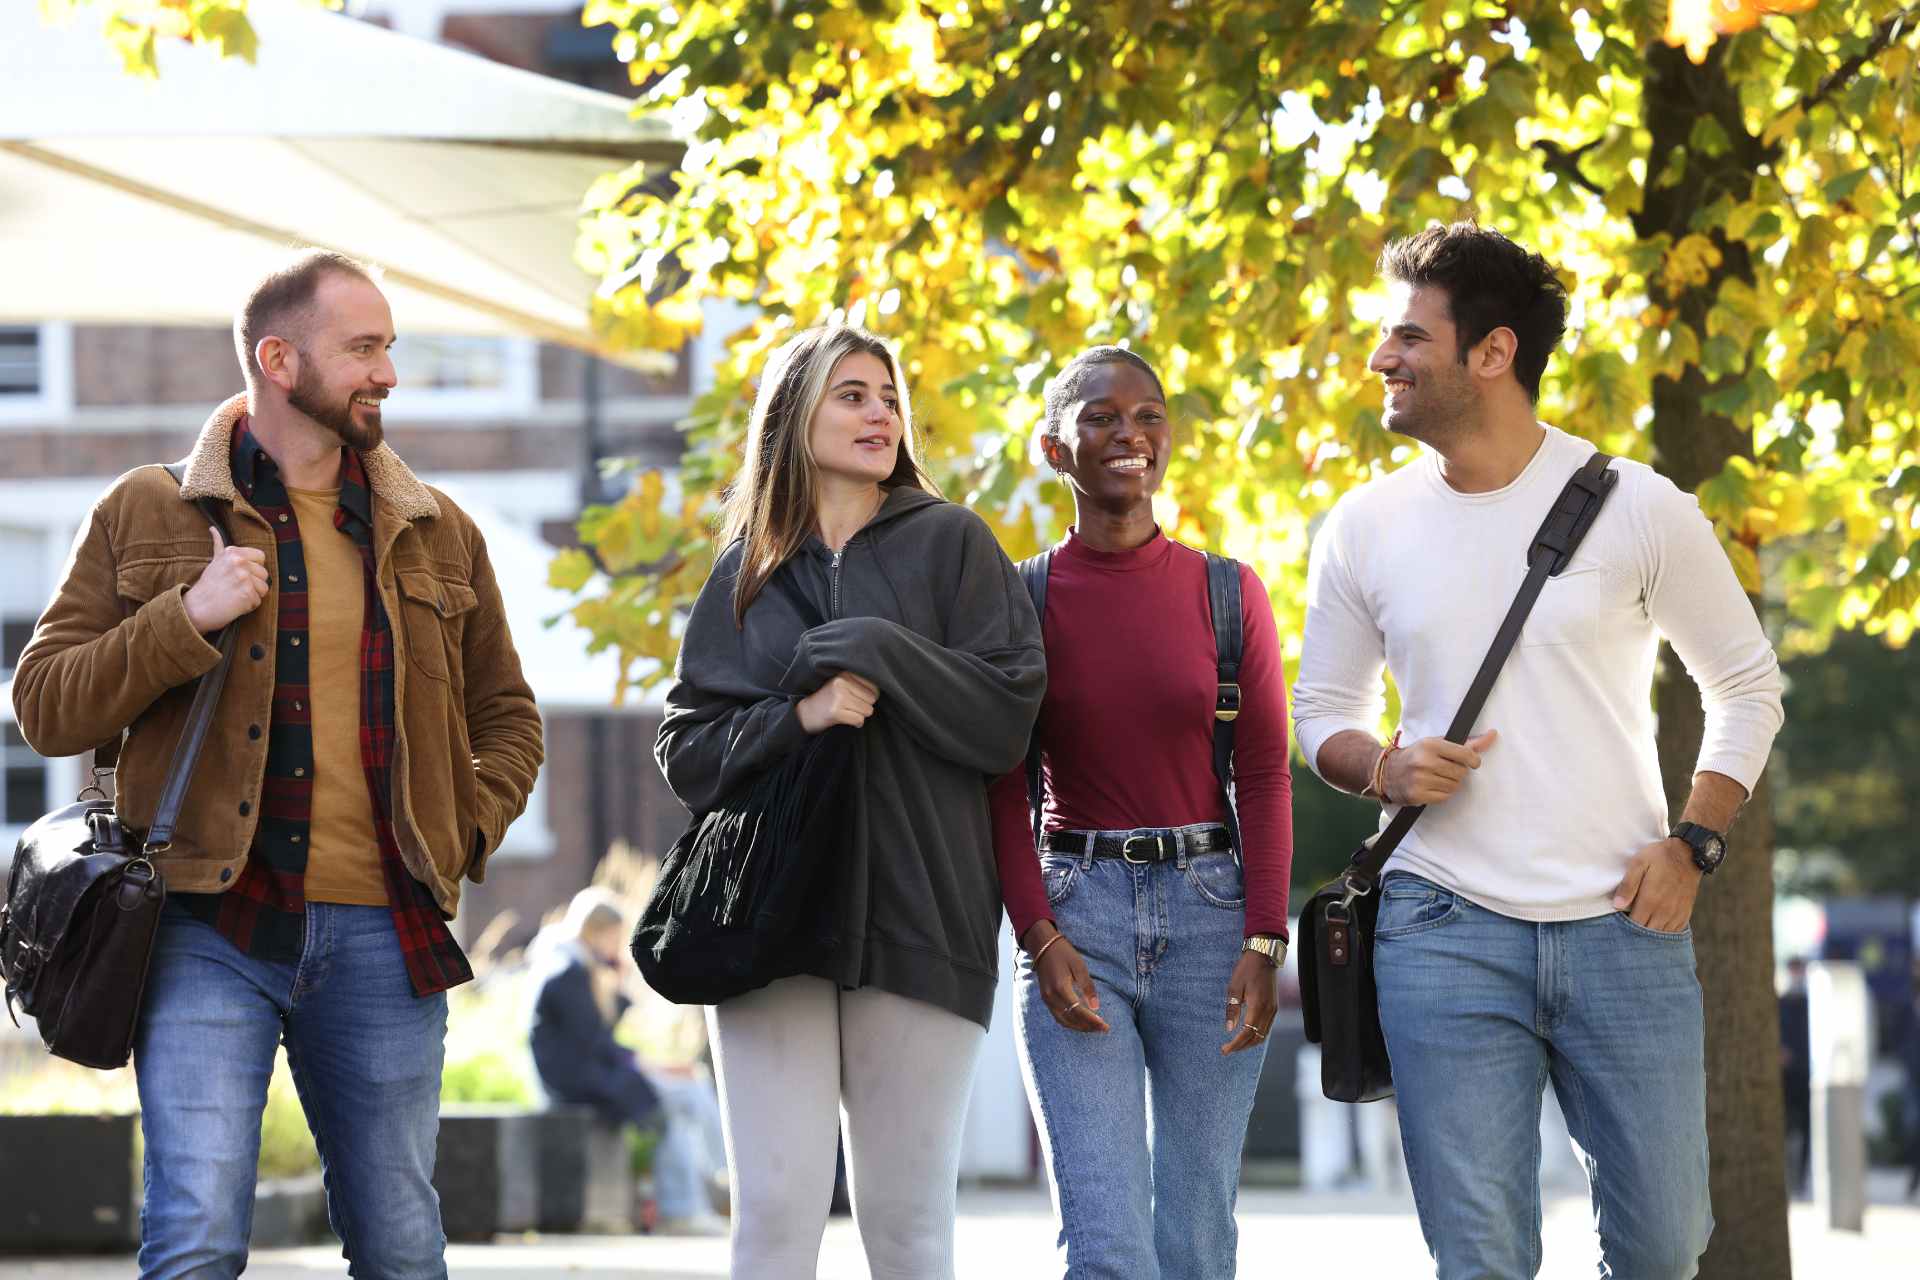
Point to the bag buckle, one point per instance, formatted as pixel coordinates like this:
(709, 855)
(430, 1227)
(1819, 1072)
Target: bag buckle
(1226, 701)
(1126, 849)
(1356, 888)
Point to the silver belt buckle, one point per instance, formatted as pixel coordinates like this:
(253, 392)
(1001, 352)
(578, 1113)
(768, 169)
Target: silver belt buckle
(1126, 849)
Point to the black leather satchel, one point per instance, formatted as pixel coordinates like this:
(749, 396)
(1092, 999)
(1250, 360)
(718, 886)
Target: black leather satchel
(743, 897)
(1338, 1000)
(84, 898)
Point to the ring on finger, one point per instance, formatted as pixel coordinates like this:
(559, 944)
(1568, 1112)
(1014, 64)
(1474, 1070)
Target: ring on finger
(1233, 1002)
(1070, 1008)
(1257, 1031)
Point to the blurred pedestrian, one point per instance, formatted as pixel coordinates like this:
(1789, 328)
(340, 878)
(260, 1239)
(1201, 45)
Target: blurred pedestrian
(1796, 1073)
(578, 1001)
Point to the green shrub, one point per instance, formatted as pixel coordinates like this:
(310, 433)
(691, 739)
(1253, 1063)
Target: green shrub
(490, 1076)
(286, 1143)
(641, 1144)
(1889, 1146)
(45, 1085)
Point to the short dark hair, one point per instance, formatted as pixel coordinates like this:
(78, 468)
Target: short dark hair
(1490, 283)
(281, 298)
(1065, 387)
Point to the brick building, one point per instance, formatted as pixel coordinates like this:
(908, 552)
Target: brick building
(513, 427)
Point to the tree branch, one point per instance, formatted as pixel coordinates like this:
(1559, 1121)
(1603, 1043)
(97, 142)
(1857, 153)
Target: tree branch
(1843, 75)
(1200, 168)
(1567, 163)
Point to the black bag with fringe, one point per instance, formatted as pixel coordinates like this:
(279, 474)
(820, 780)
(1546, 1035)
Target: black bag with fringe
(743, 897)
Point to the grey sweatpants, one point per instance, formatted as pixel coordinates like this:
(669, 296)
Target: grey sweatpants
(794, 1061)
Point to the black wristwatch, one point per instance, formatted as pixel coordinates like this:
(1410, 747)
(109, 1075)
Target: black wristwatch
(1709, 846)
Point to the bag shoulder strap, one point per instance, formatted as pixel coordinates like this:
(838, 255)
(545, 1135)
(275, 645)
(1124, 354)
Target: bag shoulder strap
(1559, 536)
(1229, 643)
(1033, 575)
(193, 737)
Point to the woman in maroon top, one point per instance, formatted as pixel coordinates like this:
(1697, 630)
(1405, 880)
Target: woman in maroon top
(1147, 980)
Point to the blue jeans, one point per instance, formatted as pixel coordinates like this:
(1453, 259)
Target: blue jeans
(1480, 1011)
(365, 1052)
(691, 1148)
(1142, 1127)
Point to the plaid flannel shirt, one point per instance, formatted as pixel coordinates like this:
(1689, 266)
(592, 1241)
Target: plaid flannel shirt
(264, 912)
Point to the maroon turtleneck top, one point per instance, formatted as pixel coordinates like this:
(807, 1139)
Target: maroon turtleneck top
(1126, 731)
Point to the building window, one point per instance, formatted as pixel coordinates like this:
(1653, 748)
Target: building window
(36, 372)
(449, 375)
(23, 590)
(23, 797)
(530, 836)
(15, 631)
(19, 362)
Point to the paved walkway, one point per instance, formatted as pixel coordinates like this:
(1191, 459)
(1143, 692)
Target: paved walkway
(1007, 1235)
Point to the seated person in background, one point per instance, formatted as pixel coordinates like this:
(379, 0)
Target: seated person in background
(578, 966)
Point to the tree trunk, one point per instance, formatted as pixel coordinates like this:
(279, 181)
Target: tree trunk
(1733, 923)
(1733, 943)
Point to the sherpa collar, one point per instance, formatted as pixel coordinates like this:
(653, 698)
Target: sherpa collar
(210, 469)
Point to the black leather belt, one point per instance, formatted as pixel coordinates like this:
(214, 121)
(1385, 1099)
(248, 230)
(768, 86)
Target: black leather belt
(1147, 844)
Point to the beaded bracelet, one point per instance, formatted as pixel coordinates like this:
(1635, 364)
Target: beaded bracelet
(1378, 785)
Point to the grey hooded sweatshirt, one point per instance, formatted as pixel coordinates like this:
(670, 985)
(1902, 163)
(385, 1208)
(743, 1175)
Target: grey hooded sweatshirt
(923, 603)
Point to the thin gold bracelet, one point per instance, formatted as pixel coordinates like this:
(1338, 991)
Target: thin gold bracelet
(1057, 935)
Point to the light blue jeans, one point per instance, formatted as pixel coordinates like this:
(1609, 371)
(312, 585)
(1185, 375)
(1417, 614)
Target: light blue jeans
(1480, 1012)
(691, 1148)
(1142, 1127)
(366, 1054)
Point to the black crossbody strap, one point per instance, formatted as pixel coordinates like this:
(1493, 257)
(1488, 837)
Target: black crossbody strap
(1033, 573)
(193, 737)
(1229, 642)
(1559, 537)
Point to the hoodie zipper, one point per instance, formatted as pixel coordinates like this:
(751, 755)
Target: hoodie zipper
(833, 598)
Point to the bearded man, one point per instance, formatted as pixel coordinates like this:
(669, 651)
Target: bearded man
(373, 740)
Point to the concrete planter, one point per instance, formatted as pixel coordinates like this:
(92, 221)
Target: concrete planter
(488, 1170)
(610, 1201)
(586, 1174)
(290, 1211)
(563, 1166)
(69, 1183)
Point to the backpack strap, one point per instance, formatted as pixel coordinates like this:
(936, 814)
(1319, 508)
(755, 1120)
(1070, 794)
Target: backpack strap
(1229, 642)
(1033, 574)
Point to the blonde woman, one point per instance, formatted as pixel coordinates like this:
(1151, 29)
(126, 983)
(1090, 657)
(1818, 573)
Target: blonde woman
(579, 967)
(932, 650)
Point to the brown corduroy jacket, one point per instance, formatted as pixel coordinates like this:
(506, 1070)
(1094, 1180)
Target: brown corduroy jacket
(115, 651)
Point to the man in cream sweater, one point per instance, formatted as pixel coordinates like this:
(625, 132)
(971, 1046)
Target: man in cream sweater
(1534, 925)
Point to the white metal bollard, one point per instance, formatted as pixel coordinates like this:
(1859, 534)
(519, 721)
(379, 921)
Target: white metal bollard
(1326, 1128)
(1839, 1034)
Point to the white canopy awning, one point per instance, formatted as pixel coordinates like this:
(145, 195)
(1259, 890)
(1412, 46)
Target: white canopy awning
(125, 200)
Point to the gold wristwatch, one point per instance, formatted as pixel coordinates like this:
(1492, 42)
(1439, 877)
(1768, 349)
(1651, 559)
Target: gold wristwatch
(1274, 949)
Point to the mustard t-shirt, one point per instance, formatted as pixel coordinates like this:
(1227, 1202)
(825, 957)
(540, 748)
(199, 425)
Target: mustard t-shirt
(343, 854)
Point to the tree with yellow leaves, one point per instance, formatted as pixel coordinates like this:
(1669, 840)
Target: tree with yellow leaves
(997, 183)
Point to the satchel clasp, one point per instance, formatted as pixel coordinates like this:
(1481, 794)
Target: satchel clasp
(1356, 888)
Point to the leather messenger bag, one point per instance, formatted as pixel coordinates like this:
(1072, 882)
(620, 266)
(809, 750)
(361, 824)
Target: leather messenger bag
(84, 898)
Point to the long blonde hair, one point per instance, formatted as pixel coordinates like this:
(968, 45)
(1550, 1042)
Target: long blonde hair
(594, 910)
(771, 502)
